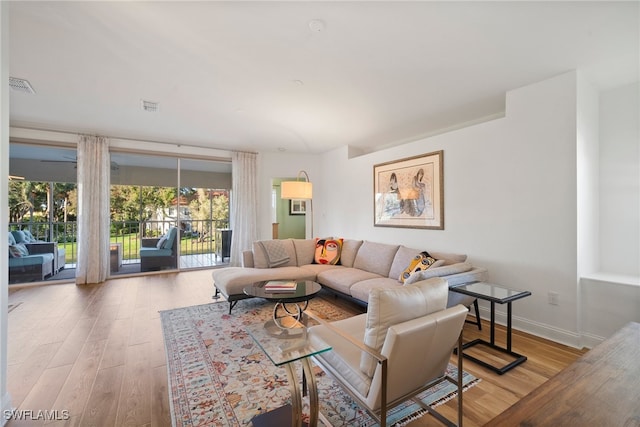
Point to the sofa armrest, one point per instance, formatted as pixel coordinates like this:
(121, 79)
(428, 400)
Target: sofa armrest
(247, 259)
(42, 248)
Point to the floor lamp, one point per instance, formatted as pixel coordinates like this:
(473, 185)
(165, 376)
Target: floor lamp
(299, 190)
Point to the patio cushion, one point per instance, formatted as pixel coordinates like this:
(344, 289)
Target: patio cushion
(150, 252)
(19, 236)
(171, 237)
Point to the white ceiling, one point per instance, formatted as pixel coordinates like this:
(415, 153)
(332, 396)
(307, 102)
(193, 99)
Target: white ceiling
(255, 75)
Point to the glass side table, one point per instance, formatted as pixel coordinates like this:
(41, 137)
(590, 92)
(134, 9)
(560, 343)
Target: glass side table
(283, 351)
(494, 294)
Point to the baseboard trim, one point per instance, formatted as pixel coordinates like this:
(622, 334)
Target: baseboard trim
(541, 330)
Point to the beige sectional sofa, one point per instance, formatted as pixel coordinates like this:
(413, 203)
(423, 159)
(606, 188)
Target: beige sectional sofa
(364, 265)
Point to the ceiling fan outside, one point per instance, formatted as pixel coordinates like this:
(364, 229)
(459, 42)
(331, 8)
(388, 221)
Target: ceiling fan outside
(114, 165)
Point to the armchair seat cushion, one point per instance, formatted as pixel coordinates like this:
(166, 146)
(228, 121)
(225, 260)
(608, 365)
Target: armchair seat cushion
(344, 356)
(153, 252)
(24, 261)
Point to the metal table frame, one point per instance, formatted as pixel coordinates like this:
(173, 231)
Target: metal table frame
(500, 295)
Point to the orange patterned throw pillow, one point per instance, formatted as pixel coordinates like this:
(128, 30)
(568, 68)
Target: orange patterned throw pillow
(328, 251)
(420, 262)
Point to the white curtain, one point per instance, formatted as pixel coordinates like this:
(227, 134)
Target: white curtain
(93, 209)
(244, 199)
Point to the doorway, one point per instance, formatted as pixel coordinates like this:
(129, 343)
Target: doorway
(288, 218)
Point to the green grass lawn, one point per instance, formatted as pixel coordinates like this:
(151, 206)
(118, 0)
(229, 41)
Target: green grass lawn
(131, 247)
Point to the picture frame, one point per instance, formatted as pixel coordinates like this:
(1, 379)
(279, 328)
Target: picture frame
(409, 193)
(297, 207)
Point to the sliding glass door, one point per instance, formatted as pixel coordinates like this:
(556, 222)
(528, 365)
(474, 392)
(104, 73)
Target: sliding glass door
(149, 194)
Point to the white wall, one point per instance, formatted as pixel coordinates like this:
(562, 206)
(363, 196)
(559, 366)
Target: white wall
(517, 203)
(610, 294)
(620, 180)
(510, 201)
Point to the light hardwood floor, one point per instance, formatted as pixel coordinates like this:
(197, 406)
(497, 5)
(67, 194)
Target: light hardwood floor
(97, 351)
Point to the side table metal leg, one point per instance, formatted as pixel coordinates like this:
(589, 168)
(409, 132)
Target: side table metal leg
(509, 326)
(296, 396)
(314, 402)
(493, 323)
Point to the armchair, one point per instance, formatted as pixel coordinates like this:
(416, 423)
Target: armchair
(28, 262)
(396, 350)
(157, 254)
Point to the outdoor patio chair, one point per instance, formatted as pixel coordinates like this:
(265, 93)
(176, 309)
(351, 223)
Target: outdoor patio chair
(42, 247)
(396, 350)
(161, 253)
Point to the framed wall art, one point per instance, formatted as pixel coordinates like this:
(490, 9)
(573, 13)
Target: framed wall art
(297, 207)
(409, 192)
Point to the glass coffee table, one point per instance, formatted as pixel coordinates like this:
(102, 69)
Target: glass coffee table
(500, 295)
(289, 305)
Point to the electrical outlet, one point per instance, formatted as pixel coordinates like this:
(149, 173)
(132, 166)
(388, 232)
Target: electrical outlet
(553, 298)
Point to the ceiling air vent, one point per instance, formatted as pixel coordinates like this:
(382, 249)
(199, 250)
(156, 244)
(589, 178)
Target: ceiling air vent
(150, 106)
(20, 85)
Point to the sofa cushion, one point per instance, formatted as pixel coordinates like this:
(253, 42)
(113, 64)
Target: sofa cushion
(45, 260)
(305, 251)
(401, 260)
(328, 251)
(341, 279)
(232, 280)
(361, 289)
(19, 236)
(375, 257)
(274, 251)
(420, 262)
(390, 306)
(349, 251)
(260, 259)
(445, 270)
(29, 237)
(319, 268)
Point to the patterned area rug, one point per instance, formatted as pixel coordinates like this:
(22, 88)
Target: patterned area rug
(218, 376)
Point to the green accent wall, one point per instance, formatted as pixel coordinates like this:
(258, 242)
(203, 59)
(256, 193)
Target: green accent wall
(289, 226)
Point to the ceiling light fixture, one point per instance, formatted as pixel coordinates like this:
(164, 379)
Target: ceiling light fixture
(150, 106)
(21, 85)
(317, 25)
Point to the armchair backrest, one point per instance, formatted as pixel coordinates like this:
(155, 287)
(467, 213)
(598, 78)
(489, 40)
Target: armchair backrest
(172, 239)
(417, 351)
(392, 306)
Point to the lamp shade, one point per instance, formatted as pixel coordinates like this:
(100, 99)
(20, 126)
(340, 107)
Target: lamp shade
(296, 190)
